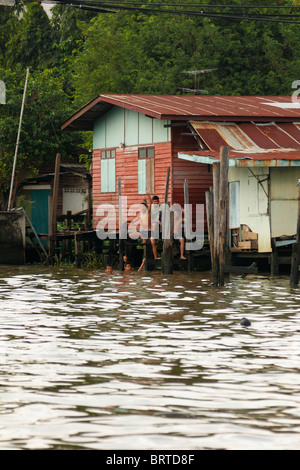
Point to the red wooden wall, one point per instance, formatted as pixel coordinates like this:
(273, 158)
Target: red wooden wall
(127, 170)
(199, 175)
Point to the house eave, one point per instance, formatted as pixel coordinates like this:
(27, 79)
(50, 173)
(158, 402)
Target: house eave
(242, 161)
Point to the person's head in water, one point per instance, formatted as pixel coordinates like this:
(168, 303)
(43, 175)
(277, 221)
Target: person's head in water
(109, 269)
(127, 267)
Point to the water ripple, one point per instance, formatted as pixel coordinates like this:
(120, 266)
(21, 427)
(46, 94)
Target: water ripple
(92, 361)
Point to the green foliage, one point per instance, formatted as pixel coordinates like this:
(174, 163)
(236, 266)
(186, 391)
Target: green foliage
(75, 55)
(136, 53)
(30, 40)
(46, 106)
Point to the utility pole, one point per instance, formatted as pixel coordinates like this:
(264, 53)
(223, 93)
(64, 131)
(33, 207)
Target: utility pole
(17, 144)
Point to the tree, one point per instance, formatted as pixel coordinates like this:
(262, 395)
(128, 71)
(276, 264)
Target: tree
(46, 107)
(31, 39)
(139, 53)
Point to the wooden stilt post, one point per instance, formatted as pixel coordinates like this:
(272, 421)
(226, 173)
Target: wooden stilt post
(167, 254)
(210, 220)
(77, 249)
(223, 205)
(167, 186)
(187, 220)
(217, 205)
(122, 228)
(168, 246)
(274, 258)
(54, 205)
(215, 248)
(294, 278)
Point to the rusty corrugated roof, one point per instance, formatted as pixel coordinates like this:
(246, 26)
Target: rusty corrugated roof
(190, 107)
(249, 136)
(250, 144)
(171, 106)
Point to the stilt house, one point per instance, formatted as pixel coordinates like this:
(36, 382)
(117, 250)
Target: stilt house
(137, 137)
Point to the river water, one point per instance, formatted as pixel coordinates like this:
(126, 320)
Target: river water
(147, 361)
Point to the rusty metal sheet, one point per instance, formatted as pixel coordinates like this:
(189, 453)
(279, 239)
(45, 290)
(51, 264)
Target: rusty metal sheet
(191, 107)
(255, 134)
(248, 136)
(292, 128)
(229, 134)
(211, 138)
(278, 136)
(172, 106)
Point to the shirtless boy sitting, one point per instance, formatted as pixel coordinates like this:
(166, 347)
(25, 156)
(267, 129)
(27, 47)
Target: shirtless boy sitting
(145, 225)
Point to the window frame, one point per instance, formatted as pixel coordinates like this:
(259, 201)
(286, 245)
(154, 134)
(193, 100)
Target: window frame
(108, 171)
(146, 169)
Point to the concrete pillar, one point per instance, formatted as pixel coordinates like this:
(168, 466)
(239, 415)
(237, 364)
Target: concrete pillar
(12, 237)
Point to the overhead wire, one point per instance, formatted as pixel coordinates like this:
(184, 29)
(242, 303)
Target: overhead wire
(202, 5)
(117, 6)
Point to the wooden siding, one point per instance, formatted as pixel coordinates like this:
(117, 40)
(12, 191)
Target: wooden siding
(127, 170)
(199, 175)
(129, 128)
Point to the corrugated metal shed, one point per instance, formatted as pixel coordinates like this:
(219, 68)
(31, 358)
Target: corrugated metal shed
(190, 107)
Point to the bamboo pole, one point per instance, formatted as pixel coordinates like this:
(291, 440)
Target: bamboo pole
(17, 143)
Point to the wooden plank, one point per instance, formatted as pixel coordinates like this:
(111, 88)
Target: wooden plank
(244, 245)
(246, 235)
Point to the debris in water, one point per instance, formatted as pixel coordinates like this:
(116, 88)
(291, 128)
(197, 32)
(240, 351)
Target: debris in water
(245, 322)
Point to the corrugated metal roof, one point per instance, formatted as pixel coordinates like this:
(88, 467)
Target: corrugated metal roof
(167, 106)
(251, 144)
(190, 107)
(249, 136)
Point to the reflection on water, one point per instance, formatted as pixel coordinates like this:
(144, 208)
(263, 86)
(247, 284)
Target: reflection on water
(135, 361)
